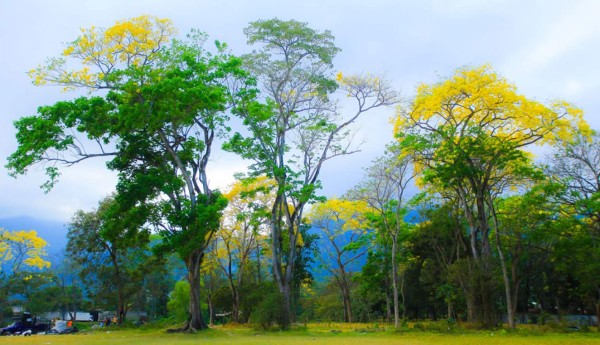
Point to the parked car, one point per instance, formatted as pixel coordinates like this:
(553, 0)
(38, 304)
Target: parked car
(27, 324)
(21, 327)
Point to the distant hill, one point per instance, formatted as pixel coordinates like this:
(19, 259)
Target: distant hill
(54, 232)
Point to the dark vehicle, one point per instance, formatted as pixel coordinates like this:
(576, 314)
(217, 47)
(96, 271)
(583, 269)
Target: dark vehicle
(26, 324)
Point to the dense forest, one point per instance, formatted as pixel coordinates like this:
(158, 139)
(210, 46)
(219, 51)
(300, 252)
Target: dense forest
(458, 220)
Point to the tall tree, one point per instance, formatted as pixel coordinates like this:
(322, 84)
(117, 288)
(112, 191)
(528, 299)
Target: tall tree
(160, 109)
(344, 229)
(384, 189)
(240, 235)
(525, 228)
(70, 288)
(111, 251)
(439, 242)
(300, 128)
(575, 165)
(468, 134)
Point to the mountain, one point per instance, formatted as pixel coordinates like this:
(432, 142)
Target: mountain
(54, 232)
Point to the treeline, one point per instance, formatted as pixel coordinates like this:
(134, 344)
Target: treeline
(496, 233)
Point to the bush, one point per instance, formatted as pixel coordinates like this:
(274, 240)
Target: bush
(269, 312)
(179, 301)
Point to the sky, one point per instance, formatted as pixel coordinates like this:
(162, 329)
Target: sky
(548, 49)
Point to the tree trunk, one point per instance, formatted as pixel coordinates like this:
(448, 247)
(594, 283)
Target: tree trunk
(487, 298)
(258, 267)
(195, 321)
(348, 307)
(403, 295)
(469, 293)
(287, 306)
(235, 313)
(211, 311)
(395, 282)
(282, 275)
(345, 290)
(388, 302)
(121, 311)
(510, 303)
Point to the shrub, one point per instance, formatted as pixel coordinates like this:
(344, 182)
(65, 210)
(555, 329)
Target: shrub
(179, 301)
(269, 312)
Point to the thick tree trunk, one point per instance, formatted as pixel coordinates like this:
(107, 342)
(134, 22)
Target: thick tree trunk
(286, 293)
(282, 276)
(347, 303)
(487, 298)
(195, 321)
(121, 308)
(235, 312)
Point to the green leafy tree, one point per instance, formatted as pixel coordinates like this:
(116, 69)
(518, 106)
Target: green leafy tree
(299, 128)
(526, 231)
(384, 189)
(439, 243)
(575, 165)
(372, 293)
(111, 250)
(155, 108)
(65, 278)
(240, 235)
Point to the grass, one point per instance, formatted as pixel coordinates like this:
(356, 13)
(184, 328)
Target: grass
(315, 334)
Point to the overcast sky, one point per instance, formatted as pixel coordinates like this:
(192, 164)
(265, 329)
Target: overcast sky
(548, 49)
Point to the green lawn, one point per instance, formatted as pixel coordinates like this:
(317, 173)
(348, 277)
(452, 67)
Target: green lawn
(318, 336)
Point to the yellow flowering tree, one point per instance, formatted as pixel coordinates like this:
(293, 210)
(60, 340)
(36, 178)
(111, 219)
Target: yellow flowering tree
(468, 135)
(243, 234)
(344, 227)
(21, 254)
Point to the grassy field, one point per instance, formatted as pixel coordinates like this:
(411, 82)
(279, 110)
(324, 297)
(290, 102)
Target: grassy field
(314, 335)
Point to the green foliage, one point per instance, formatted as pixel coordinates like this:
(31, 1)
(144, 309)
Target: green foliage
(179, 301)
(110, 248)
(190, 224)
(370, 295)
(161, 108)
(294, 38)
(270, 311)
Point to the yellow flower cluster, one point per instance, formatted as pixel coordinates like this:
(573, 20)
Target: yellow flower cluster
(480, 98)
(27, 242)
(98, 51)
(351, 213)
